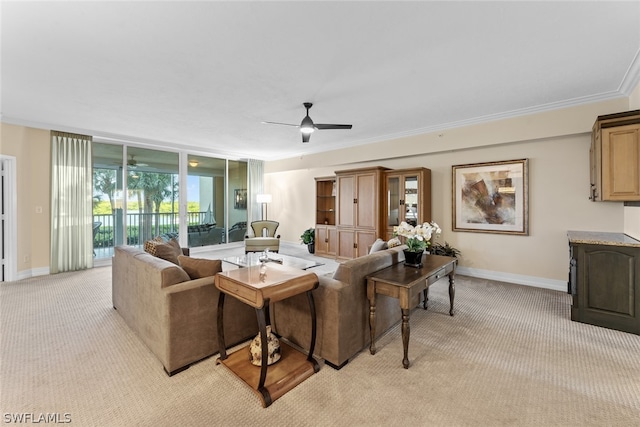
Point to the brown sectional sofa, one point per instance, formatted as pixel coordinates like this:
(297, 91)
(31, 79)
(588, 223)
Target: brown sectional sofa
(174, 315)
(342, 310)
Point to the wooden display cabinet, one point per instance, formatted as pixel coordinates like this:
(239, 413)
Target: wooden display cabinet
(407, 197)
(615, 157)
(326, 239)
(359, 194)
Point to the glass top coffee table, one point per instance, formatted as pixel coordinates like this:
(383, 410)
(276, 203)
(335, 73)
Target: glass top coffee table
(253, 258)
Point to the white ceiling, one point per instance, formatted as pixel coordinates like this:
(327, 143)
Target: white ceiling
(204, 75)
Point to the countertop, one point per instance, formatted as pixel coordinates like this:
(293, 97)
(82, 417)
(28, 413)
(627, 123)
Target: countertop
(602, 238)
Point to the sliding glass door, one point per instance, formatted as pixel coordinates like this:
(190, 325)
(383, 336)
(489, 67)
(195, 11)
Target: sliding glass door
(137, 198)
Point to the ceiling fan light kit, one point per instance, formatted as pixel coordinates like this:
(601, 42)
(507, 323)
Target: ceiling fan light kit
(307, 127)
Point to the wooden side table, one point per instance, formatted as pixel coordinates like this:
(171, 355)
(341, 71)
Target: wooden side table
(404, 283)
(258, 289)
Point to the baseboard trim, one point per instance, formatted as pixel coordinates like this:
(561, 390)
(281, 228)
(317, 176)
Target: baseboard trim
(26, 274)
(519, 279)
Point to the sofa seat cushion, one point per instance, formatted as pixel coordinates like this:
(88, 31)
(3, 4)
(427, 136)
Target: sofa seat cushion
(261, 243)
(197, 268)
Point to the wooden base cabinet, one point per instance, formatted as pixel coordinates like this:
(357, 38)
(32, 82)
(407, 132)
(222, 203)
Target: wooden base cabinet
(326, 240)
(354, 243)
(605, 285)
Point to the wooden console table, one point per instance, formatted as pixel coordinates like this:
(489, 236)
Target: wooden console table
(275, 283)
(404, 283)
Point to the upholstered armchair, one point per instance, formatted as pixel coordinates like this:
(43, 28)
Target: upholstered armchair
(264, 237)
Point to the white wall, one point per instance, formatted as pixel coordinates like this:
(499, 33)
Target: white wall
(558, 188)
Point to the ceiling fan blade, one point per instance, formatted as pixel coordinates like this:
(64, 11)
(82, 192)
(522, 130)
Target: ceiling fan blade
(321, 126)
(306, 137)
(278, 123)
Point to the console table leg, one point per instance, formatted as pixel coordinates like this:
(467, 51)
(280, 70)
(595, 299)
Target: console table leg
(372, 320)
(452, 292)
(312, 309)
(221, 343)
(262, 325)
(425, 294)
(405, 337)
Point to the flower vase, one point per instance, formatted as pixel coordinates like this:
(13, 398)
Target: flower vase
(413, 258)
(273, 345)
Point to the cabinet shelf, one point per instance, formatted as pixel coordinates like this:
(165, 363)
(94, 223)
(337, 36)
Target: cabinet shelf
(325, 200)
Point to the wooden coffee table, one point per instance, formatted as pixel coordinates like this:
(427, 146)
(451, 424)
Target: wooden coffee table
(258, 288)
(404, 283)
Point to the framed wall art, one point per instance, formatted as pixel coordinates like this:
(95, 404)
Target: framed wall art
(491, 197)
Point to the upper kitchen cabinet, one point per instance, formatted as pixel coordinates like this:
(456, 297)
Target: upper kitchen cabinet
(615, 157)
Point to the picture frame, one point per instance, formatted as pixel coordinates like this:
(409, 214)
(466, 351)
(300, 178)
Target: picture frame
(240, 198)
(491, 197)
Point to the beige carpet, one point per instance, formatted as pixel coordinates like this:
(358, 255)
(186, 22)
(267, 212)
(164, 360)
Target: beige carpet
(510, 357)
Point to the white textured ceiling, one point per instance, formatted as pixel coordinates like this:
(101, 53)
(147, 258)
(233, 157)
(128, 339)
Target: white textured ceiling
(204, 75)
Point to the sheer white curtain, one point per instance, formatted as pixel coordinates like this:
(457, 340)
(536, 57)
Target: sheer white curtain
(256, 186)
(71, 202)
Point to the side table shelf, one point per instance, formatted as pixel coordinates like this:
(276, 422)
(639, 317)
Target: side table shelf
(258, 289)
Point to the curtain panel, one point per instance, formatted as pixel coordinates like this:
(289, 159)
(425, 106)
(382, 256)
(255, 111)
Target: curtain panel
(256, 186)
(71, 202)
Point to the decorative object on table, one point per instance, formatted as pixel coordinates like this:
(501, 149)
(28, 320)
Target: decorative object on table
(273, 347)
(445, 250)
(264, 256)
(309, 238)
(417, 239)
(491, 197)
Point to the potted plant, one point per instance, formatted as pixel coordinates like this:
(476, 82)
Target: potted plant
(418, 239)
(309, 238)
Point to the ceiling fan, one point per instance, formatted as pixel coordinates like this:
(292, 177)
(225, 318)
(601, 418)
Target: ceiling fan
(133, 163)
(307, 127)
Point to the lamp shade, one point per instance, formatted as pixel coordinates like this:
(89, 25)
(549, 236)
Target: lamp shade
(264, 198)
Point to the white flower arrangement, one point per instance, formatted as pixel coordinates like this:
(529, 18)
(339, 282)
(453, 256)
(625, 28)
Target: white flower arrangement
(418, 237)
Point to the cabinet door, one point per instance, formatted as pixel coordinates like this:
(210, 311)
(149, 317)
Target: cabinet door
(364, 240)
(346, 196)
(410, 200)
(621, 163)
(326, 240)
(321, 240)
(367, 201)
(607, 286)
(332, 243)
(346, 243)
(393, 211)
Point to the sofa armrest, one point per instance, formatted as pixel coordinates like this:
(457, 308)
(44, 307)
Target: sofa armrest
(192, 316)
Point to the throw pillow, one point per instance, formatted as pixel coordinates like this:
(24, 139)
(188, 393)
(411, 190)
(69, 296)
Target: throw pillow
(378, 245)
(197, 268)
(394, 242)
(168, 251)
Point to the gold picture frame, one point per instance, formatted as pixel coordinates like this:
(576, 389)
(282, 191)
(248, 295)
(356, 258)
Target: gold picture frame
(491, 197)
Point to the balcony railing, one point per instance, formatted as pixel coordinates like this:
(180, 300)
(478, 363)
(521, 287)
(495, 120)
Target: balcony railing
(140, 227)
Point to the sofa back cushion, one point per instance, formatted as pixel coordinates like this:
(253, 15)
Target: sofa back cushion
(354, 271)
(153, 269)
(197, 268)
